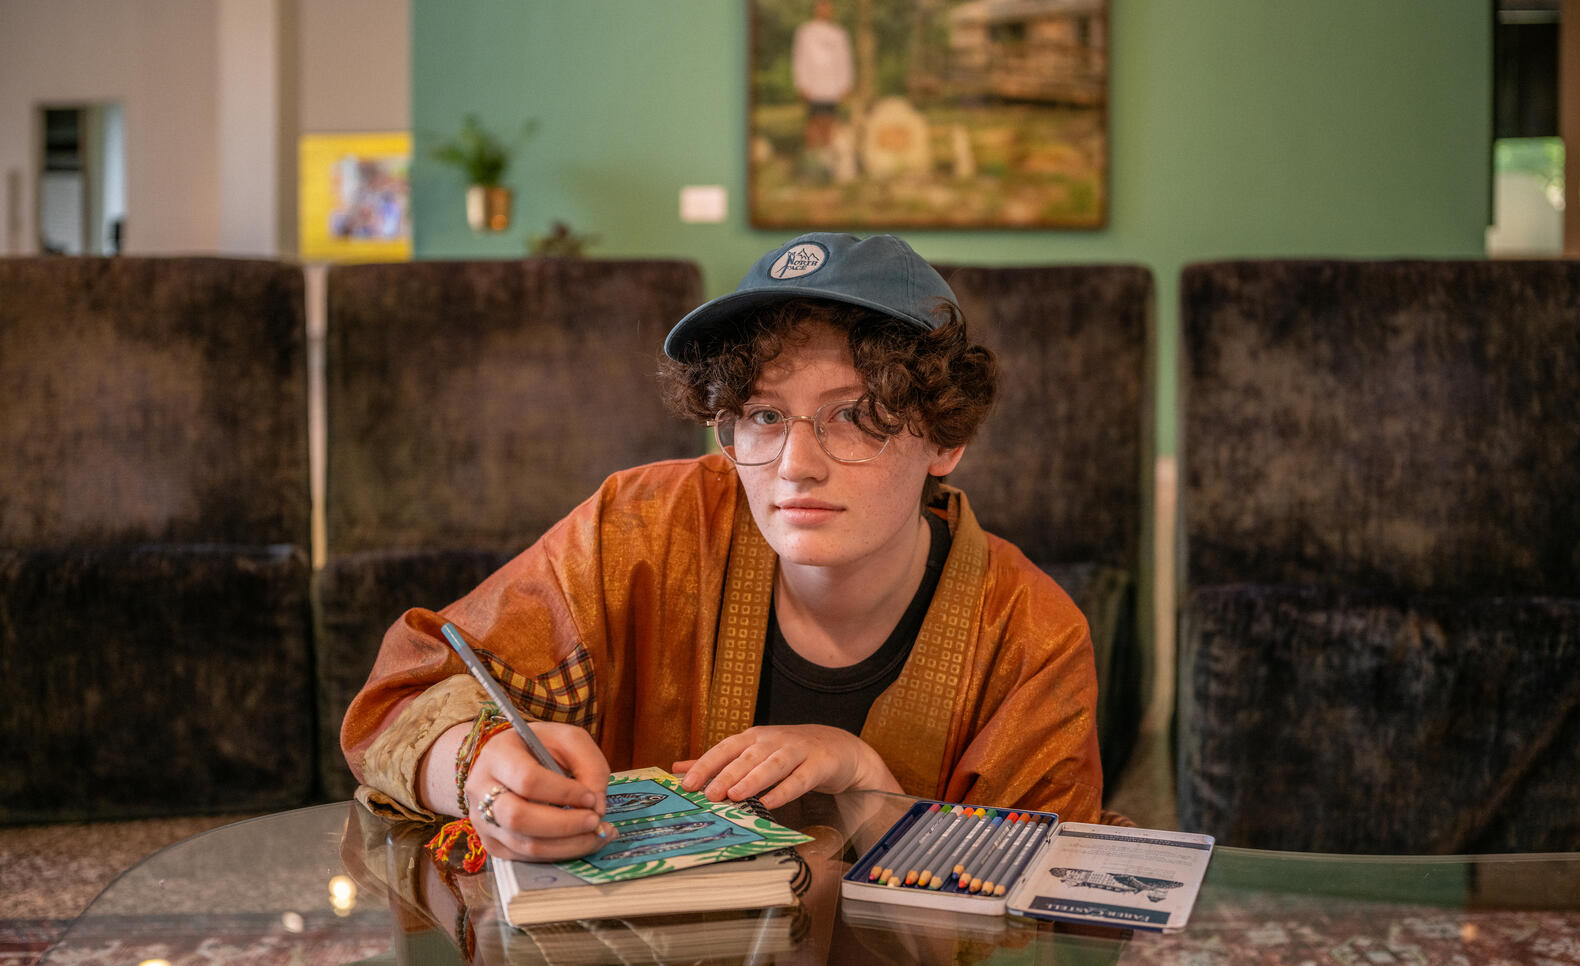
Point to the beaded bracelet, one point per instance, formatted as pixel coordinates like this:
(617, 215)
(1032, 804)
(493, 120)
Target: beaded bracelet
(485, 727)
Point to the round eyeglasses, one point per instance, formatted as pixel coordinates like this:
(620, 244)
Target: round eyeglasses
(757, 435)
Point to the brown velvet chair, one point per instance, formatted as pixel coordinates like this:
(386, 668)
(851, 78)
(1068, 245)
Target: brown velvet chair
(1380, 643)
(154, 621)
(1058, 466)
(471, 404)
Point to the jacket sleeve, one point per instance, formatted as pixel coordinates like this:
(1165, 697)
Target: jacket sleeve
(598, 624)
(529, 621)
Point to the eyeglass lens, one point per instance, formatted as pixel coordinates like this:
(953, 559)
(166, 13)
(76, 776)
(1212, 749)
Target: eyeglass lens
(758, 435)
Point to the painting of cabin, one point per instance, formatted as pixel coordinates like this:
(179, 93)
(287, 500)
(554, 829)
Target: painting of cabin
(1055, 51)
(890, 114)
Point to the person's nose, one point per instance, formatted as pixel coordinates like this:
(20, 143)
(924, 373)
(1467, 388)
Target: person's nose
(803, 456)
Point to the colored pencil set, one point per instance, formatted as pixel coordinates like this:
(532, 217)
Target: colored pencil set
(965, 851)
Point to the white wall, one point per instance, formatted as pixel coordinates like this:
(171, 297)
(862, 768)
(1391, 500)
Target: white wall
(355, 66)
(156, 57)
(214, 95)
(252, 47)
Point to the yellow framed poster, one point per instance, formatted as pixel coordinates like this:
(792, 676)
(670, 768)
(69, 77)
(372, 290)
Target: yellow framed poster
(354, 197)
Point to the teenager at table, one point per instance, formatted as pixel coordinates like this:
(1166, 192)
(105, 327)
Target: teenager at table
(811, 608)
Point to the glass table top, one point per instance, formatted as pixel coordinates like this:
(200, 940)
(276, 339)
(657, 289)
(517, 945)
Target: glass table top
(333, 883)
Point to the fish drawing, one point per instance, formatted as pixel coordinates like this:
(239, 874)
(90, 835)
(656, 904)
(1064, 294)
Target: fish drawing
(1155, 889)
(631, 801)
(654, 831)
(654, 848)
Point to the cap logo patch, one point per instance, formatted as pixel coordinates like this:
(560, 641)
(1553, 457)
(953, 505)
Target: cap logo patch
(798, 261)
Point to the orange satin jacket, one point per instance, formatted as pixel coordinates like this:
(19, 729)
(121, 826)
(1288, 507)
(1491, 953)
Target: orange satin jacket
(643, 614)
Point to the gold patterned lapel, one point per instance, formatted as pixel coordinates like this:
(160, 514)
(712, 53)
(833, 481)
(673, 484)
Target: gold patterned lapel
(743, 631)
(914, 725)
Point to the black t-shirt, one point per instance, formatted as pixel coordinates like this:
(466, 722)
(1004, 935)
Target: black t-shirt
(793, 690)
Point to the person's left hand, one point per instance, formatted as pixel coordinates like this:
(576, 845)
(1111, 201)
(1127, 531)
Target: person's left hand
(780, 763)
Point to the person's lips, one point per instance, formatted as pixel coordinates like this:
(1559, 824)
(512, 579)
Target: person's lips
(804, 511)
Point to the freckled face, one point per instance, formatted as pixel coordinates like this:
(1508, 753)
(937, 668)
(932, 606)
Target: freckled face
(813, 509)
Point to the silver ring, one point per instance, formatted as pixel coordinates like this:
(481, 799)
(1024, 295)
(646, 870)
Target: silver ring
(485, 807)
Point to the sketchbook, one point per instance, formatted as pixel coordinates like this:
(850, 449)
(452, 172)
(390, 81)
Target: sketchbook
(675, 852)
(741, 935)
(994, 862)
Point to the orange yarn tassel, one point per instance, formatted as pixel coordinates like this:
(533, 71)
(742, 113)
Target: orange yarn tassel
(458, 834)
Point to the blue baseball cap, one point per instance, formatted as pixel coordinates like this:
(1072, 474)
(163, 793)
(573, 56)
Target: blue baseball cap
(880, 272)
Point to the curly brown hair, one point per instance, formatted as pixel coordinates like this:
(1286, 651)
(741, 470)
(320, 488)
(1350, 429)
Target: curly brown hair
(936, 384)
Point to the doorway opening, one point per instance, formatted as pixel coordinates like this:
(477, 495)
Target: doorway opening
(82, 179)
(1527, 150)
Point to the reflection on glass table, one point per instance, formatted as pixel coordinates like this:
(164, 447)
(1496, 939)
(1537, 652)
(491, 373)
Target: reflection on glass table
(334, 884)
(263, 890)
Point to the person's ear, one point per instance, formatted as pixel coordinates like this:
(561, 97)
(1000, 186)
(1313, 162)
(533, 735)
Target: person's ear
(945, 462)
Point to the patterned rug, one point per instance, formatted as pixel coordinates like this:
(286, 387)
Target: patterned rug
(50, 872)
(1288, 931)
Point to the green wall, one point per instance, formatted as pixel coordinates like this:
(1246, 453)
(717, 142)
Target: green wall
(1239, 128)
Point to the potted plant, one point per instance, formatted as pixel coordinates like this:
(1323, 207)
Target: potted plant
(560, 242)
(482, 158)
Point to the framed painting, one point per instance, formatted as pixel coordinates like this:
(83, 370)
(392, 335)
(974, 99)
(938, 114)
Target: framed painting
(928, 114)
(354, 197)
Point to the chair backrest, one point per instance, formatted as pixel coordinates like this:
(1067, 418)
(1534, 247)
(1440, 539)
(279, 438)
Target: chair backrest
(1380, 640)
(152, 399)
(154, 524)
(1057, 468)
(1410, 424)
(474, 403)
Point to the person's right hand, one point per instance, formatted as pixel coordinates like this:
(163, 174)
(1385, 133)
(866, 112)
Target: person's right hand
(538, 815)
